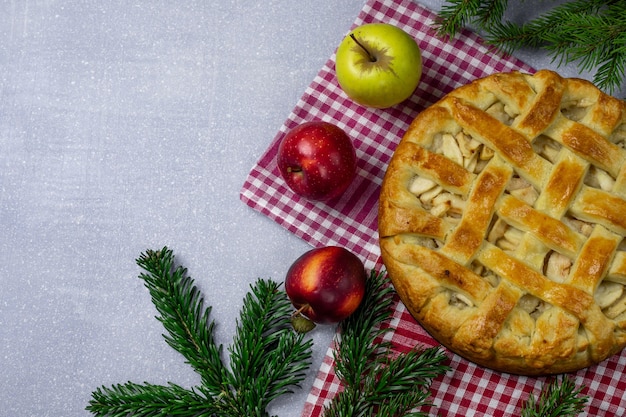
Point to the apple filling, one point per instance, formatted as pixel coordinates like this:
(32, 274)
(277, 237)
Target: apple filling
(532, 305)
(618, 136)
(459, 300)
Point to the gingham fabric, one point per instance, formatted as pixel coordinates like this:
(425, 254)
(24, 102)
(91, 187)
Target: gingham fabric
(351, 222)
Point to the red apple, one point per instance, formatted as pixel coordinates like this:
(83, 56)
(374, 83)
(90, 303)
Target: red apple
(326, 284)
(317, 160)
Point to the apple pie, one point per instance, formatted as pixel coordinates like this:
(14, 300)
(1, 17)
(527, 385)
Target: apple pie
(502, 220)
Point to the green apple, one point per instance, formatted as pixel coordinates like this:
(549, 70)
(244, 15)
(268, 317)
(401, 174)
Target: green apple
(378, 65)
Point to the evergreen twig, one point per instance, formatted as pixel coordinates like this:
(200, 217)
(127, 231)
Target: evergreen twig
(560, 398)
(182, 313)
(588, 33)
(376, 381)
(149, 400)
(268, 358)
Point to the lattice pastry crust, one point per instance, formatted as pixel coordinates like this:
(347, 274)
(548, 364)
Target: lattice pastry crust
(502, 221)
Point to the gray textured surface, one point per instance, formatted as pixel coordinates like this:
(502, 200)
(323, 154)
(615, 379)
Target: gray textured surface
(132, 125)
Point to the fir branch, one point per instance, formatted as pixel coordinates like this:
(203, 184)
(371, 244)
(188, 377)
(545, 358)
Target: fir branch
(375, 380)
(455, 14)
(183, 315)
(148, 400)
(402, 384)
(588, 33)
(560, 398)
(268, 358)
(509, 37)
(357, 347)
(493, 11)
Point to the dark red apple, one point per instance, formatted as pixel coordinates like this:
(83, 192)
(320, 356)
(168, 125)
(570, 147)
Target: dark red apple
(317, 160)
(326, 284)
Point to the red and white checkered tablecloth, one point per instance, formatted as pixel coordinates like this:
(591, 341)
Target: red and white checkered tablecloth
(351, 222)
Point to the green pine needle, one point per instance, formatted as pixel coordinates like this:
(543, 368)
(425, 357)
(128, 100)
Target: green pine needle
(560, 398)
(148, 400)
(456, 14)
(267, 355)
(588, 33)
(182, 313)
(268, 358)
(376, 381)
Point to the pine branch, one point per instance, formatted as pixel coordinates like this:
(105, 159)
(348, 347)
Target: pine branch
(375, 379)
(402, 383)
(455, 14)
(149, 400)
(588, 33)
(357, 350)
(183, 315)
(560, 398)
(268, 358)
(493, 11)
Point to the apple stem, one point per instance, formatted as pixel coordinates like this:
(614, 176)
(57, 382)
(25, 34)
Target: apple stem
(371, 57)
(294, 169)
(299, 311)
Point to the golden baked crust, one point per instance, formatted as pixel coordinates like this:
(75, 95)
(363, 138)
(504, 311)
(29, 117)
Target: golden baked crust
(502, 220)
